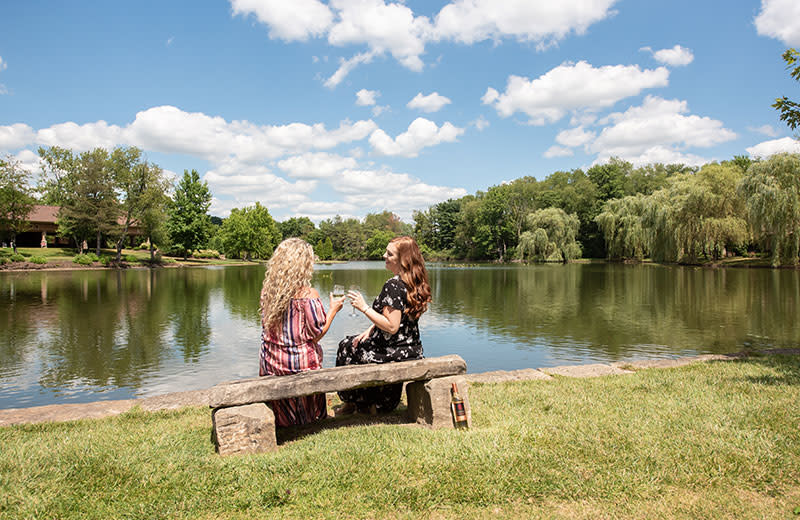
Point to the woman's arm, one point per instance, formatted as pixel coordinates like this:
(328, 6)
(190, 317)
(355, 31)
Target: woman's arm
(336, 306)
(388, 320)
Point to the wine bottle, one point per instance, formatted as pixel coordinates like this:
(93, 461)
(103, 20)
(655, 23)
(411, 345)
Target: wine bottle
(457, 408)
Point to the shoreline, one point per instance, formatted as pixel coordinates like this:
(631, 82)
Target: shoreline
(175, 400)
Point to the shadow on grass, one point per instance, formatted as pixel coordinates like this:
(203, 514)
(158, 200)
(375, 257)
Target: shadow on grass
(785, 362)
(295, 433)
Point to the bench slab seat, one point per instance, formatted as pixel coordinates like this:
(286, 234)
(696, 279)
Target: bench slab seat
(244, 423)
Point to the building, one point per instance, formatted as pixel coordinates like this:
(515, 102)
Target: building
(43, 229)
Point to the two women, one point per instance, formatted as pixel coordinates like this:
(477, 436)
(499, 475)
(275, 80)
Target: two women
(294, 320)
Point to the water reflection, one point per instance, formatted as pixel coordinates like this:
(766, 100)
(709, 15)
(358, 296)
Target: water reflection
(87, 335)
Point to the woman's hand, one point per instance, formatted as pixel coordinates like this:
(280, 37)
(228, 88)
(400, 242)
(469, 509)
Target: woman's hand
(336, 303)
(356, 300)
(363, 335)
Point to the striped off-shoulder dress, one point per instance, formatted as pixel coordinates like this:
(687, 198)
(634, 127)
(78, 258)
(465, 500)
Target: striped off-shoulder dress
(290, 350)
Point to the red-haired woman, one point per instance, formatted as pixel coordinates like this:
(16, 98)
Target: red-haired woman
(394, 334)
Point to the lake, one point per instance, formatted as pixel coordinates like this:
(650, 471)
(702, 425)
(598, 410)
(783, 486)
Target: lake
(80, 336)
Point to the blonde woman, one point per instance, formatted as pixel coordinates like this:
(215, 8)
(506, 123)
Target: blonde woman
(293, 321)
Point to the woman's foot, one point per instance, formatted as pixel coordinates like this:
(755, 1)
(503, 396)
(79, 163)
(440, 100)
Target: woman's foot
(344, 409)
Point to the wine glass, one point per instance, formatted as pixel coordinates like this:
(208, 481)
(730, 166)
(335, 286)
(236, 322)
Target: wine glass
(353, 312)
(338, 291)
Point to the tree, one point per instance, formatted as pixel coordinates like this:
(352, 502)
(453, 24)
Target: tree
(301, 227)
(376, 244)
(621, 224)
(772, 191)
(790, 110)
(140, 185)
(55, 183)
(250, 233)
(90, 206)
(324, 248)
(16, 201)
(188, 224)
(550, 237)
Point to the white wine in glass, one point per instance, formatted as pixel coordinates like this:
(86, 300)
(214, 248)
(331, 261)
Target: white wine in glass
(338, 291)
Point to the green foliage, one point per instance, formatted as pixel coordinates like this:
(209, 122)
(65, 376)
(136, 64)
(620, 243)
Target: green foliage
(249, 233)
(301, 227)
(16, 201)
(38, 260)
(376, 244)
(622, 227)
(106, 260)
(16, 257)
(4, 260)
(550, 237)
(772, 191)
(83, 259)
(188, 224)
(131, 259)
(790, 110)
(206, 254)
(324, 249)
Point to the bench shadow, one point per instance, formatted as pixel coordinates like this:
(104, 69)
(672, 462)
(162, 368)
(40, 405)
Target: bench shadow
(294, 433)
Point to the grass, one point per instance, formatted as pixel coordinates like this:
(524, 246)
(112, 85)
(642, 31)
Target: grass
(56, 256)
(714, 440)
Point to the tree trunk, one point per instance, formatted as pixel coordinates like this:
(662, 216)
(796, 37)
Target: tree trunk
(14, 243)
(152, 249)
(97, 248)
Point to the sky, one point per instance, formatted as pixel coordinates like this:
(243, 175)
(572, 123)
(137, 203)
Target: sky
(320, 108)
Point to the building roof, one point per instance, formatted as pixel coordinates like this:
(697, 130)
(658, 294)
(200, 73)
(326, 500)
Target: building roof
(47, 214)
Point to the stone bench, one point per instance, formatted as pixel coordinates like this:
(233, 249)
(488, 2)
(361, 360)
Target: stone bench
(244, 423)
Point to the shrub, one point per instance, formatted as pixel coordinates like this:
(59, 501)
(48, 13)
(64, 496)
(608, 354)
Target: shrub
(4, 260)
(17, 258)
(93, 256)
(106, 259)
(38, 260)
(206, 253)
(83, 260)
(131, 259)
(144, 246)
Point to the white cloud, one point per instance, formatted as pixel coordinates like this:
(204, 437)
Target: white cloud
(557, 151)
(430, 103)
(383, 28)
(3, 64)
(379, 109)
(481, 123)
(82, 137)
(767, 130)
(676, 56)
(295, 20)
(421, 133)
(470, 21)
(29, 161)
(392, 27)
(346, 66)
(571, 87)
(780, 19)
(170, 40)
(575, 137)
(768, 148)
(657, 129)
(317, 211)
(365, 98)
(318, 165)
(16, 136)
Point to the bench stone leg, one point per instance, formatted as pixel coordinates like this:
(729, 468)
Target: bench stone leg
(244, 429)
(429, 401)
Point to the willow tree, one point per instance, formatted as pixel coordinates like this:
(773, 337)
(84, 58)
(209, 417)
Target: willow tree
(550, 237)
(772, 191)
(620, 220)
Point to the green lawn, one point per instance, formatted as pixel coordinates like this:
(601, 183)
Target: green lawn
(57, 254)
(711, 440)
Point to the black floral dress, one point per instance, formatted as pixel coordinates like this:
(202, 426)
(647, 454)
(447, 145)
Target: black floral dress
(382, 347)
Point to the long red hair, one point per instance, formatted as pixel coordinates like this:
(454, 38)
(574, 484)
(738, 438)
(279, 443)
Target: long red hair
(414, 275)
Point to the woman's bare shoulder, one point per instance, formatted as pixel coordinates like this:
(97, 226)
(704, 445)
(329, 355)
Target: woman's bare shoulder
(307, 292)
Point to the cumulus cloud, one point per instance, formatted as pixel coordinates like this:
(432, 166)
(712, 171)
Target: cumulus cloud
(658, 131)
(676, 56)
(392, 27)
(780, 19)
(421, 133)
(295, 20)
(575, 137)
(767, 130)
(471, 21)
(557, 151)
(572, 87)
(318, 165)
(430, 103)
(3, 64)
(365, 98)
(481, 123)
(768, 148)
(16, 136)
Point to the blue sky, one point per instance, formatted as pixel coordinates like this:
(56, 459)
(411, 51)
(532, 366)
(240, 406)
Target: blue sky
(317, 108)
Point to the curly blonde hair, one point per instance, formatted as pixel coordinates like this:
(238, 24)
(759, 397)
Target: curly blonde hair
(288, 271)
